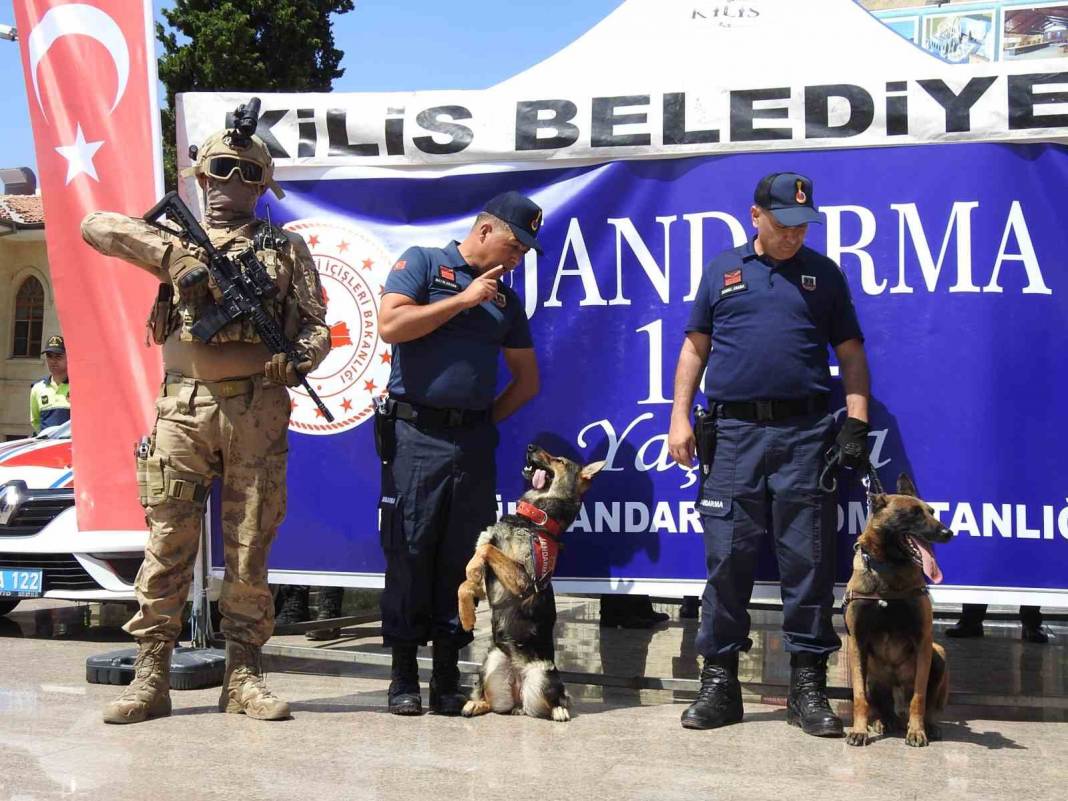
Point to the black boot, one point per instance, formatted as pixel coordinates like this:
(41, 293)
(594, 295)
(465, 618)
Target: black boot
(329, 609)
(630, 612)
(404, 688)
(446, 697)
(719, 701)
(807, 705)
(690, 608)
(1031, 618)
(970, 623)
(294, 605)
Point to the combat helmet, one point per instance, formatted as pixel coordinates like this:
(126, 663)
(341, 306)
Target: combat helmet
(236, 148)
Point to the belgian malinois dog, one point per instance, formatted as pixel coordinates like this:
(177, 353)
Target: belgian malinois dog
(889, 618)
(513, 566)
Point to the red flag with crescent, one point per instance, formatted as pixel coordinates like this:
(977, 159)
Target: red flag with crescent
(90, 70)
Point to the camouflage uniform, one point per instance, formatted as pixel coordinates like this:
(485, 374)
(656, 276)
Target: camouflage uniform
(233, 429)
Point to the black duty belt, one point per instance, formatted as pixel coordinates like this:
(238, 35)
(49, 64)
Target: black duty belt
(770, 411)
(432, 417)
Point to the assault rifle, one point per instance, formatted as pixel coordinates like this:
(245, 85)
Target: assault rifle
(242, 281)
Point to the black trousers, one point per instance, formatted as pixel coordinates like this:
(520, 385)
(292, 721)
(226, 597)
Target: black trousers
(438, 494)
(764, 478)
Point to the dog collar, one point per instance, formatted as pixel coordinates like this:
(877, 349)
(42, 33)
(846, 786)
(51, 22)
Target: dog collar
(540, 518)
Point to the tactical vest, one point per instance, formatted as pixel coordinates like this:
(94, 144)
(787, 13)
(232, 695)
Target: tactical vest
(170, 314)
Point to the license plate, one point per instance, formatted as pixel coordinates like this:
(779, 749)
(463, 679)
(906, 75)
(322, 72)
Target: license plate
(21, 583)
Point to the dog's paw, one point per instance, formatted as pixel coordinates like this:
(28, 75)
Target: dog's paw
(857, 738)
(560, 714)
(916, 737)
(474, 708)
(467, 619)
(516, 710)
(876, 727)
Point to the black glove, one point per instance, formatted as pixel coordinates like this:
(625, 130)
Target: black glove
(852, 441)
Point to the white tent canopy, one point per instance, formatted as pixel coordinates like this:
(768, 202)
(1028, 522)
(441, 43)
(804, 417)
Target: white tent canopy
(656, 80)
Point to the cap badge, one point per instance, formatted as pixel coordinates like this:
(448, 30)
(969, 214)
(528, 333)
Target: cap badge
(535, 223)
(800, 197)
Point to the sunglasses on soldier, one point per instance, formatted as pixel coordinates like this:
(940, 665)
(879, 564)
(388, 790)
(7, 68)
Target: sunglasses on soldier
(222, 167)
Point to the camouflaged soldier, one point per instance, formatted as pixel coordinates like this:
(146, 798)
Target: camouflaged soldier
(223, 411)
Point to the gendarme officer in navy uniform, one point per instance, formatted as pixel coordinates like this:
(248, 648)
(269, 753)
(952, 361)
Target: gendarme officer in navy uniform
(449, 319)
(763, 319)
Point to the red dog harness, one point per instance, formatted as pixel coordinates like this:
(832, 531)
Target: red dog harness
(544, 543)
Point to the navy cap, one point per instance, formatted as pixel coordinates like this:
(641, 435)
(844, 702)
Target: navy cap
(787, 196)
(55, 345)
(521, 213)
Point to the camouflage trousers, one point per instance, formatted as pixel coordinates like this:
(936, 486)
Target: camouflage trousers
(234, 430)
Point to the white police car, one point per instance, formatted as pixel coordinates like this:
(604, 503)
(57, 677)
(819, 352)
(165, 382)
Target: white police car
(42, 552)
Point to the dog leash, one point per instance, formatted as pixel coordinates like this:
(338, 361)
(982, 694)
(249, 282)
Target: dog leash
(829, 475)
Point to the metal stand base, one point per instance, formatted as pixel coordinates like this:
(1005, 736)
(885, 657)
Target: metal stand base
(191, 668)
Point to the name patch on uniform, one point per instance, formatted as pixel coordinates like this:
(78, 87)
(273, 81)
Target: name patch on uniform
(444, 283)
(447, 273)
(808, 282)
(733, 289)
(713, 503)
(732, 278)
(500, 300)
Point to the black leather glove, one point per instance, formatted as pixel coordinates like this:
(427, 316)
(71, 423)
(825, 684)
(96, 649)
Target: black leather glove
(852, 440)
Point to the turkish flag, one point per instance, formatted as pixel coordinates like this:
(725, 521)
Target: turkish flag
(90, 72)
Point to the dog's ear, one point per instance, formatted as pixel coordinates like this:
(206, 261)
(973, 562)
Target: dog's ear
(592, 469)
(878, 502)
(905, 486)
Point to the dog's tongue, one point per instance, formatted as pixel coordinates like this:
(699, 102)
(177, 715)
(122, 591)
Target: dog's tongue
(538, 481)
(930, 566)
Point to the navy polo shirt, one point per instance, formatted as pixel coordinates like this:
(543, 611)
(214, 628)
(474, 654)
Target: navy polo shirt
(454, 366)
(771, 323)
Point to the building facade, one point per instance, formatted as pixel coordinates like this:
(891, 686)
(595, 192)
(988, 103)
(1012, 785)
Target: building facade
(27, 309)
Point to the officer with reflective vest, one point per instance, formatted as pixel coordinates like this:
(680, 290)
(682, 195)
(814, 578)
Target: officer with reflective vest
(765, 316)
(449, 319)
(50, 397)
(223, 412)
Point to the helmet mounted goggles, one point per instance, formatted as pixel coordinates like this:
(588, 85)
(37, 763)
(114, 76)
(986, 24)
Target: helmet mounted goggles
(222, 167)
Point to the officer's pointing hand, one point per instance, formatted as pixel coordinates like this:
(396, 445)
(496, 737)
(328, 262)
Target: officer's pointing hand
(482, 288)
(681, 442)
(280, 370)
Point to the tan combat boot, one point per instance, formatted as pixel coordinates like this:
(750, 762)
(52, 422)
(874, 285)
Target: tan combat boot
(244, 691)
(149, 694)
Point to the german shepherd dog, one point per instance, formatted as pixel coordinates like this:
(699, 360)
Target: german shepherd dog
(889, 619)
(512, 566)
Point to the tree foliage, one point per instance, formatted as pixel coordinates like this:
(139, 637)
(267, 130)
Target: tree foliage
(245, 45)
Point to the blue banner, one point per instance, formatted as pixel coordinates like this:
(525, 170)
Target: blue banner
(955, 257)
